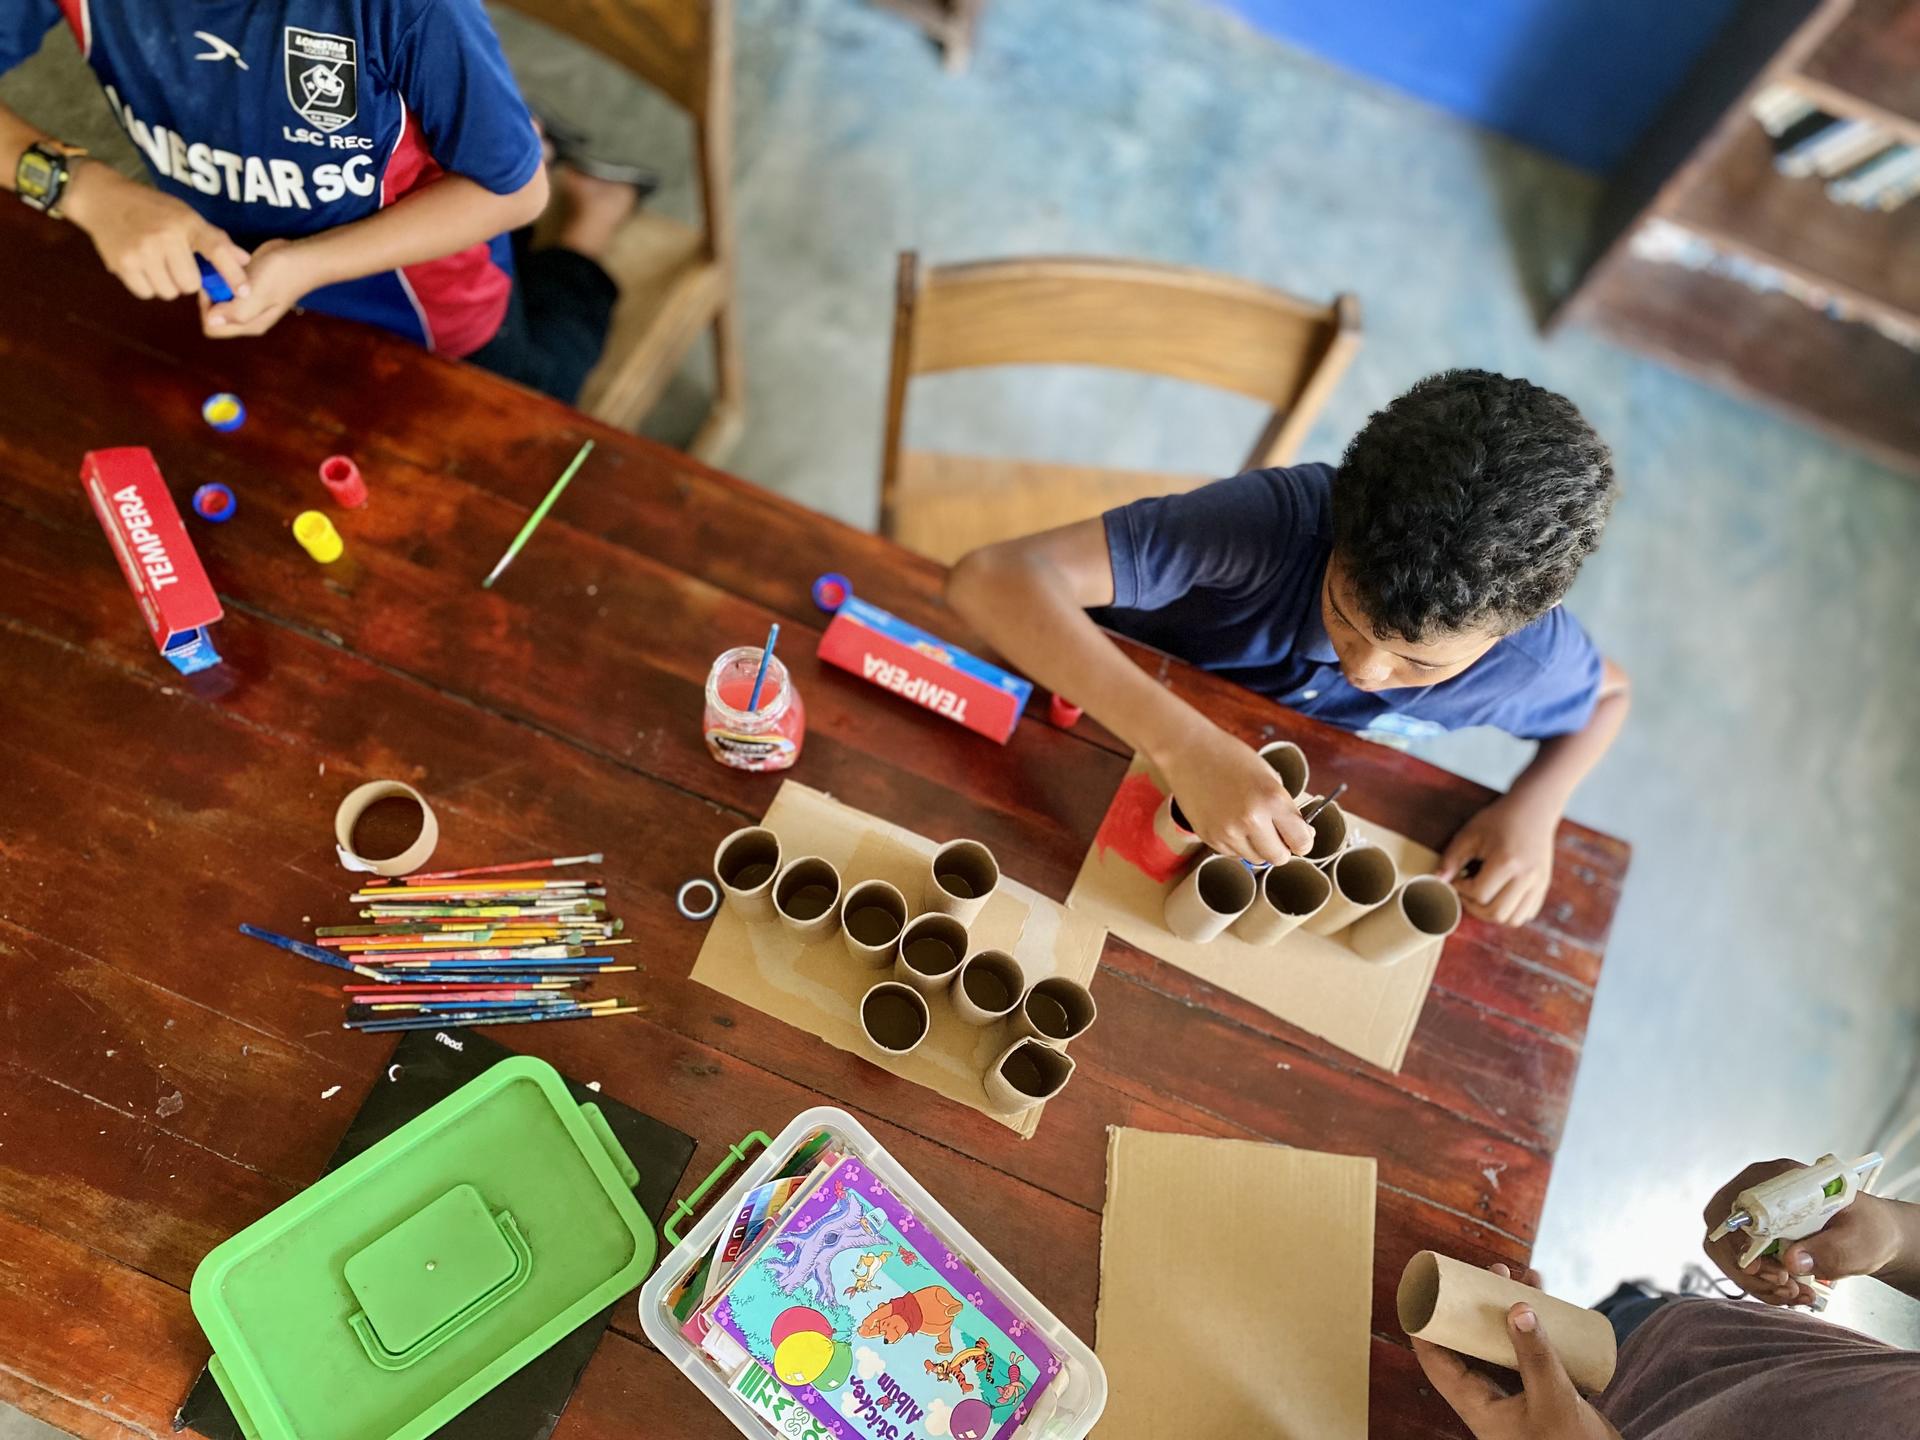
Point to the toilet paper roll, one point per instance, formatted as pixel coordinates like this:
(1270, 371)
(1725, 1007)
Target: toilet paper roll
(1026, 1074)
(894, 1017)
(1289, 895)
(1215, 893)
(1055, 1010)
(745, 864)
(1171, 826)
(931, 949)
(1289, 762)
(1362, 878)
(359, 800)
(871, 920)
(960, 877)
(1464, 1308)
(1330, 834)
(806, 897)
(987, 988)
(1422, 910)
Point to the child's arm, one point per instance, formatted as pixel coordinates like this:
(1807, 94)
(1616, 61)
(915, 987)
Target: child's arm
(146, 239)
(1029, 597)
(1513, 837)
(444, 217)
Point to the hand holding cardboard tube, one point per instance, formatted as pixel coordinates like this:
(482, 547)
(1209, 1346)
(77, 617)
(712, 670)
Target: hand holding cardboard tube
(1448, 1305)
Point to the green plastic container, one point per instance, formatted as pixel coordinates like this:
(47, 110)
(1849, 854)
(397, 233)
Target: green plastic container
(395, 1292)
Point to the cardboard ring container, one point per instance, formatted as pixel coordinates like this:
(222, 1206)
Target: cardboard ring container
(1064, 1408)
(871, 919)
(1363, 878)
(1289, 762)
(988, 988)
(1055, 1011)
(806, 897)
(894, 1017)
(1171, 827)
(960, 877)
(1289, 896)
(931, 950)
(1215, 893)
(1423, 909)
(745, 863)
(1026, 1074)
(1330, 834)
(1464, 1308)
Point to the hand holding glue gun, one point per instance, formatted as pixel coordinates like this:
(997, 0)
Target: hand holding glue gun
(1768, 1207)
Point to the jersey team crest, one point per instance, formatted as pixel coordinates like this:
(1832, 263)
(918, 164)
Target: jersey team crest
(321, 74)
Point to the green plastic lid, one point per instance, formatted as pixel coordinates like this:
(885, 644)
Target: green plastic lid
(388, 1297)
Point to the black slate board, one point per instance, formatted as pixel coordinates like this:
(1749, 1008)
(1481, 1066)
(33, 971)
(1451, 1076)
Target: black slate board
(425, 1070)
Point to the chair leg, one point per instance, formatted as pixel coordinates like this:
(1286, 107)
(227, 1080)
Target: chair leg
(728, 414)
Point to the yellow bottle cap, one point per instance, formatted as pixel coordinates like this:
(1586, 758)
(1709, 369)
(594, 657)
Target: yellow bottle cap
(317, 536)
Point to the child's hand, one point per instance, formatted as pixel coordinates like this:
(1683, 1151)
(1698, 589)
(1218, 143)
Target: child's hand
(1863, 1239)
(277, 277)
(148, 240)
(1547, 1407)
(1234, 801)
(1513, 841)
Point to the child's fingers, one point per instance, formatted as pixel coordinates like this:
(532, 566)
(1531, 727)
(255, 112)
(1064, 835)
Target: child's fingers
(1484, 889)
(226, 257)
(181, 271)
(1460, 849)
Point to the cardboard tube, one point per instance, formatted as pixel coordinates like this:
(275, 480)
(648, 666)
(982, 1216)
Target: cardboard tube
(1329, 834)
(745, 863)
(1462, 1307)
(1363, 878)
(987, 988)
(931, 949)
(1055, 1010)
(894, 1017)
(1289, 762)
(1171, 826)
(1290, 895)
(361, 799)
(806, 897)
(1215, 893)
(871, 921)
(960, 877)
(1026, 1074)
(1423, 910)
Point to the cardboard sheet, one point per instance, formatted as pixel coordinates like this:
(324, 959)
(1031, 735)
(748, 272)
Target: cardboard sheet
(818, 986)
(1312, 981)
(1235, 1289)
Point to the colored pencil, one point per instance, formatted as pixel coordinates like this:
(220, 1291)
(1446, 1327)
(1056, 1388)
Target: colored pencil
(593, 859)
(539, 514)
(306, 951)
(760, 676)
(389, 1027)
(395, 887)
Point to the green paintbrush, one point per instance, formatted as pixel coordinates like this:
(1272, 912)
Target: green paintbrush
(539, 514)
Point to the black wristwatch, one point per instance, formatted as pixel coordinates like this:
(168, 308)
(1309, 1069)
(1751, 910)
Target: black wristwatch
(44, 172)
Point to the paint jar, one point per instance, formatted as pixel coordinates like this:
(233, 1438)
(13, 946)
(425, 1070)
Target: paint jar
(768, 738)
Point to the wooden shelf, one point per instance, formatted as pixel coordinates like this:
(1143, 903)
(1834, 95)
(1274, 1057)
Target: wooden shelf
(1742, 204)
(1843, 378)
(1872, 56)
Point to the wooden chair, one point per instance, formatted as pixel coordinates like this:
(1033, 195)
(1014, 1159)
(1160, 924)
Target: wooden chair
(1122, 314)
(675, 280)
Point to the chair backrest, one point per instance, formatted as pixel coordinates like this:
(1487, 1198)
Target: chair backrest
(1171, 320)
(684, 50)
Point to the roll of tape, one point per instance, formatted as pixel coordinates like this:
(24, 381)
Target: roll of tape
(356, 805)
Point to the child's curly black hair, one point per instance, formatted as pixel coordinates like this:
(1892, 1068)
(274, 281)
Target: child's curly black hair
(1469, 503)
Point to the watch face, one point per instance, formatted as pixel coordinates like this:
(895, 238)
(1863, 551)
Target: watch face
(35, 176)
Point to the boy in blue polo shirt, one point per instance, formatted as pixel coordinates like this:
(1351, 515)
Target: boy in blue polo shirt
(367, 158)
(1416, 588)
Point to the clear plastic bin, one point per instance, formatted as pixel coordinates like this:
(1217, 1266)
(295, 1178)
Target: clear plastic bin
(1067, 1409)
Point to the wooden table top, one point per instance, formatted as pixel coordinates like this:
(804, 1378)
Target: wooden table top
(167, 1081)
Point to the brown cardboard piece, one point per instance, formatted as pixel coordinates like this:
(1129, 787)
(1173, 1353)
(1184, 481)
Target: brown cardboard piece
(818, 986)
(1236, 1283)
(1313, 981)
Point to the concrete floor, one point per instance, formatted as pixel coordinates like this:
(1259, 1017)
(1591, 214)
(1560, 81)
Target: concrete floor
(1759, 996)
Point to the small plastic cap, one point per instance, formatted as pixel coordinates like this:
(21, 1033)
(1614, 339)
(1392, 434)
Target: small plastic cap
(214, 503)
(831, 590)
(342, 479)
(317, 536)
(1064, 712)
(223, 411)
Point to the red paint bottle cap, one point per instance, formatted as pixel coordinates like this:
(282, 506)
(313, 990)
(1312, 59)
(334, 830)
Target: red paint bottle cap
(342, 479)
(1063, 712)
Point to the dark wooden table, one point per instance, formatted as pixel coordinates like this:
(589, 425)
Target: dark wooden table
(167, 1081)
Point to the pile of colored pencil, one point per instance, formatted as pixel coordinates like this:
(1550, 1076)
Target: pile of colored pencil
(481, 946)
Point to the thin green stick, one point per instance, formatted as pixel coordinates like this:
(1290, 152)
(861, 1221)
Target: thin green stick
(539, 514)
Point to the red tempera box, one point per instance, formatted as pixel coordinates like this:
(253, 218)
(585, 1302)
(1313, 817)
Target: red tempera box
(162, 568)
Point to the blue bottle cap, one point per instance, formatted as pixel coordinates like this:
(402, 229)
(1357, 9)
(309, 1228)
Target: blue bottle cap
(831, 591)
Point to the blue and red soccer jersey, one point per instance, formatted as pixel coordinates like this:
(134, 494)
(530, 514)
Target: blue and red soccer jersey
(277, 120)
